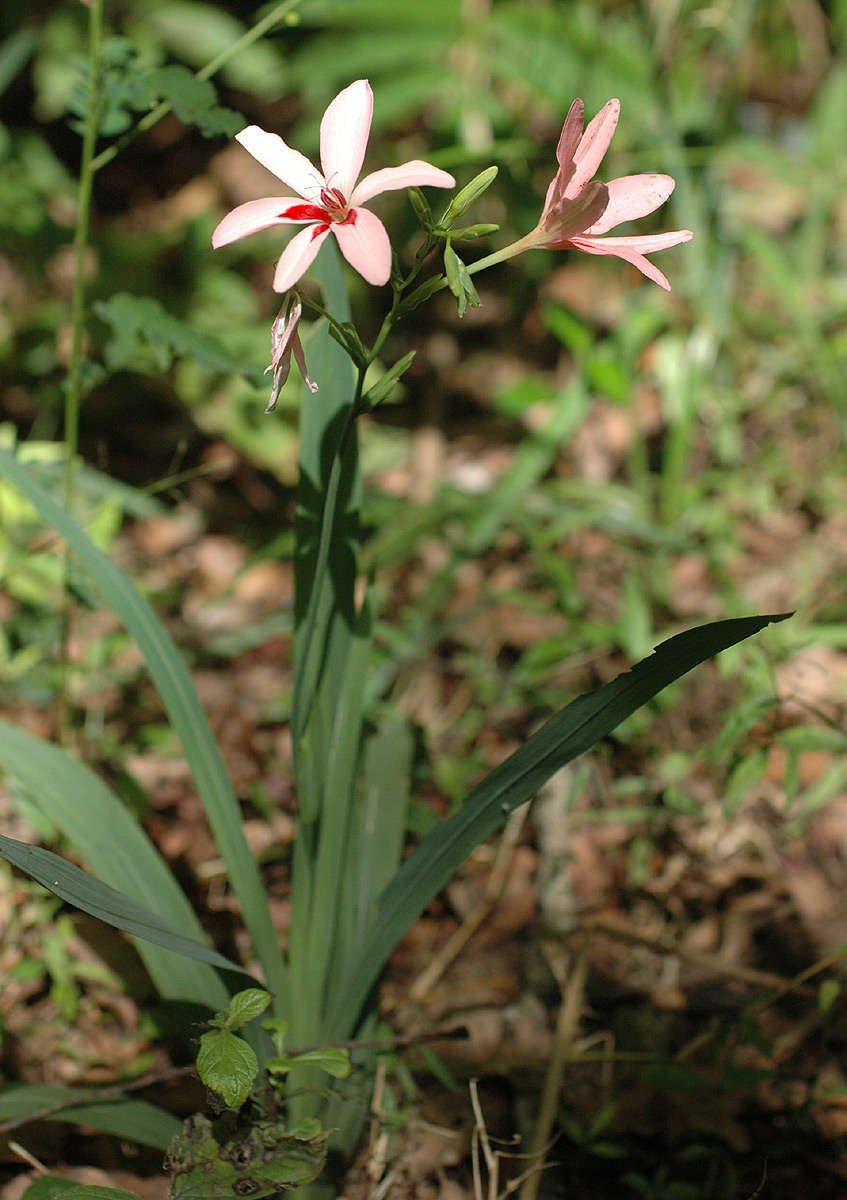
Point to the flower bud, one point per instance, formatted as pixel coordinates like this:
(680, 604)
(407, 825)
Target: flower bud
(420, 204)
(471, 192)
(469, 232)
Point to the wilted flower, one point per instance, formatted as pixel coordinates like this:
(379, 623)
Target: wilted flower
(285, 340)
(329, 202)
(576, 211)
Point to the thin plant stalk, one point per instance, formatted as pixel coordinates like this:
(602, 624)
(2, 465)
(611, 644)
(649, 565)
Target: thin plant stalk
(86, 179)
(74, 376)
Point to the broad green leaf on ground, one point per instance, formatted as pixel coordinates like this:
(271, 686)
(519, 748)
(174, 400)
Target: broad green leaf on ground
(135, 1120)
(570, 732)
(68, 881)
(118, 851)
(187, 717)
(227, 1065)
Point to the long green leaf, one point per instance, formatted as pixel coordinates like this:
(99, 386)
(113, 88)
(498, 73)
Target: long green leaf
(135, 1120)
(570, 732)
(327, 513)
(118, 851)
(66, 880)
(335, 852)
(186, 714)
(324, 732)
(377, 830)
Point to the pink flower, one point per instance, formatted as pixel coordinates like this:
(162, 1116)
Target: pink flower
(330, 202)
(284, 340)
(577, 211)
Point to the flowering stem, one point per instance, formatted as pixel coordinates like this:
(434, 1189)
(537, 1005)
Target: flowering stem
(211, 68)
(529, 242)
(318, 309)
(307, 667)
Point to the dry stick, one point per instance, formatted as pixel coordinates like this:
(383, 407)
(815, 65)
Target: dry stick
(480, 1138)
(567, 1027)
(377, 1136)
(707, 962)
(28, 1158)
(493, 890)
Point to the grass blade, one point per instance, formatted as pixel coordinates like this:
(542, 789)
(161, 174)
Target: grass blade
(135, 1120)
(570, 732)
(68, 881)
(118, 851)
(187, 717)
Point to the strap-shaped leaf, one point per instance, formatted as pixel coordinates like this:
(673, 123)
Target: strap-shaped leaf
(124, 1117)
(116, 850)
(180, 698)
(570, 732)
(66, 880)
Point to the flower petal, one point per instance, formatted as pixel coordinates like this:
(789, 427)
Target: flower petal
(300, 359)
(569, 139)
(628, 253)
(648, 243)
(571, 134)
(251, 218)
(364, 243)
(345, 128)
(593, 145)
(570, 217)
(298, 256)
(633, 196)
(415, 173)
(289, 165)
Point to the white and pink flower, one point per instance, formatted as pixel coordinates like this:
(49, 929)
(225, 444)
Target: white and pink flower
(327, 201)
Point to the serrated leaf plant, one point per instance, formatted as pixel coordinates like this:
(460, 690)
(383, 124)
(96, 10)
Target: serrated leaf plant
(353, 896)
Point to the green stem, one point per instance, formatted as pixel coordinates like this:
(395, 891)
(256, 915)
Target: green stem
(529, 242)
(308, 662)
(211, 68)
(74, 377)
(86, 179)
(307, 666)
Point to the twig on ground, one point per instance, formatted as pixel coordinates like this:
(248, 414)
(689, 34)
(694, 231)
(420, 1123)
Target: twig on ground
(711, 963)
(567, 1027)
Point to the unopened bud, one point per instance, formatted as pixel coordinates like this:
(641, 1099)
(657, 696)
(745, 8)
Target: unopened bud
(471, 192)
(472, 231)
(420, 204)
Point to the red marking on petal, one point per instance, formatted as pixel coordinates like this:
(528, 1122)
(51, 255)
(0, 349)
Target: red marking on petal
(305, 212)
(319, 229)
